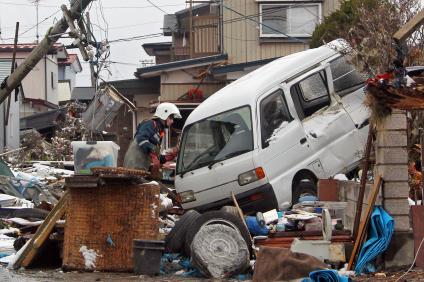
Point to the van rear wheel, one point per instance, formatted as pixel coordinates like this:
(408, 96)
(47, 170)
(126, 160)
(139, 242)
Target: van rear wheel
(303, 187)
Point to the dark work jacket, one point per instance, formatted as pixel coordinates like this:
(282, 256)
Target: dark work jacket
(147, 139)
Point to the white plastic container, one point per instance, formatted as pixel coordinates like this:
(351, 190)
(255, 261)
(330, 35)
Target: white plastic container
(94, 154)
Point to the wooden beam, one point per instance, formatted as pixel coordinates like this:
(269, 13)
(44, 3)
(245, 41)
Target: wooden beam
(409, 27)
(365, 220)
(43, 232)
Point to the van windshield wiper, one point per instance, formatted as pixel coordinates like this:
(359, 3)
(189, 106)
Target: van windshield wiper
(230, 155)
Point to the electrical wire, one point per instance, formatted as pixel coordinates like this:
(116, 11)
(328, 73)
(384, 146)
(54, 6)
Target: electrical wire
(157, 7)
(267, 26)
(110, 7)
(138, 37)
(269, 11)
(413, 263)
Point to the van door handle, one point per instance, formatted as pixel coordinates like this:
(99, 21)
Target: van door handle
(303, 140)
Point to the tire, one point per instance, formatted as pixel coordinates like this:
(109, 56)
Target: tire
(230, 209)
(305, 186)
(174, 241)
(214, 217)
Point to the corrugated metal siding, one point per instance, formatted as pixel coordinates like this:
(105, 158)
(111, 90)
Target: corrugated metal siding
(5, 66)
(174, 91)
(241, 36)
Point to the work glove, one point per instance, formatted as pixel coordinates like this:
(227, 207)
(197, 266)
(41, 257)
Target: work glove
(170, 156)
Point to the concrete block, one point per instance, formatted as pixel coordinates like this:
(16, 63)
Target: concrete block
(397, 206)
(395, 189)
(396, 121)
(395, 155)
(393, 172)
(392, 139)
(402, 222)
(400, 253)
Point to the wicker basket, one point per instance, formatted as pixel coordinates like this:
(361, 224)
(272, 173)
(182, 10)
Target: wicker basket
(106, 219)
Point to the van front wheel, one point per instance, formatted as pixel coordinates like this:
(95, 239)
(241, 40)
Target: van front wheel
(303, 187)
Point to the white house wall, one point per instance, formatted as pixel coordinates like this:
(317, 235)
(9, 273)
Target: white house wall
(34, 84)
(12, 129)
(52, 85)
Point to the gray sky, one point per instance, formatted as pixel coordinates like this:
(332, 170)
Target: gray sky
(124, 19)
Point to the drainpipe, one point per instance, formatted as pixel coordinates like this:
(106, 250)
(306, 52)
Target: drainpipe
(45, 77)
(4, 126)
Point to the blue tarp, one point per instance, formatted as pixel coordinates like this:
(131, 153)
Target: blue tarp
(254, 227)
(380, 233)
(326, 275)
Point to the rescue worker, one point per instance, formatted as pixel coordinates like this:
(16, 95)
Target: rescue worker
(144, 151)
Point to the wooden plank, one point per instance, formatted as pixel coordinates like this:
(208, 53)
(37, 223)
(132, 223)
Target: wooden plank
(240, 212)
(365, 220)
(42, 233)
(408, 28)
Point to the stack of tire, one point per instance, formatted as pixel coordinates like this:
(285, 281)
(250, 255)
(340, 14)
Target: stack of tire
(218, 242)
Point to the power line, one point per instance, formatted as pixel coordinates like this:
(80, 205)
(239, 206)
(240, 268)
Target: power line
(267, 26)
(34, 26)
(110, 7)
(157, 7)
(138, 37)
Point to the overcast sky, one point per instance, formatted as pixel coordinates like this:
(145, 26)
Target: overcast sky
(122, 19)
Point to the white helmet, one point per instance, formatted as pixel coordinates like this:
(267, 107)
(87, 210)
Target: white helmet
(164, 110)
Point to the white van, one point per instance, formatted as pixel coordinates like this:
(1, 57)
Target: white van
(292, 121)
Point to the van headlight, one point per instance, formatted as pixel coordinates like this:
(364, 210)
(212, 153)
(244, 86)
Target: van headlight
(251, 176)
(186, 196)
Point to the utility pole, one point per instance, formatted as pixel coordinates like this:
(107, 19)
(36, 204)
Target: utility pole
(54, 33)
(90, 39)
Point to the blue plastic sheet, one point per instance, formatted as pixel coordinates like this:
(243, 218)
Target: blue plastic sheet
(380, 233)
(326, 275)
(254, 227)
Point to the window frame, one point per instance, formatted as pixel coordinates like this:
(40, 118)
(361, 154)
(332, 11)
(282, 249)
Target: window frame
(301, 105)
(281, 35)
(179, 161)
(264, 142)
(347, 90)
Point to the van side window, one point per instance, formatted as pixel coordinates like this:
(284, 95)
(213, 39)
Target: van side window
(310, 94)
(274, 114)
(346, 78)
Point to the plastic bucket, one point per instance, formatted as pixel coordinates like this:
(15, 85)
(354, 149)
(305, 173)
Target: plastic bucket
(147, 255)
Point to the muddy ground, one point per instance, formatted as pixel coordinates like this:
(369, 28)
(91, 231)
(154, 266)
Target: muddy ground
(58, 275)
(74, 276)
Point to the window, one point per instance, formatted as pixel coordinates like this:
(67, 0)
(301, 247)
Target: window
(313, 87)
(310, 94)
(282, 20)
(345, 77)
(274, 115)
(216, 138)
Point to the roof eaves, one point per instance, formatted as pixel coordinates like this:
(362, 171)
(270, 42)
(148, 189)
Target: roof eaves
(240, 67)
(156, 69)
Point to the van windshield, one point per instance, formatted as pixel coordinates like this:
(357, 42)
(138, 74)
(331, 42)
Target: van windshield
(216, 138)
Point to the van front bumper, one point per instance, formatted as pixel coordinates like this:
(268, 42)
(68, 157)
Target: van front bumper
(259, 199)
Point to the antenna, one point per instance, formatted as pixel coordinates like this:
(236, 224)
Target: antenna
(36, 3)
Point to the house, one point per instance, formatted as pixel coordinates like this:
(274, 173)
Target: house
(207, 53)
(39, 90)
(213, 44)
(68, 68)
(40, 87)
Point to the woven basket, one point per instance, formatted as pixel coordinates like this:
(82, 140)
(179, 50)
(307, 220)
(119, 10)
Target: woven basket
(106, 219)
